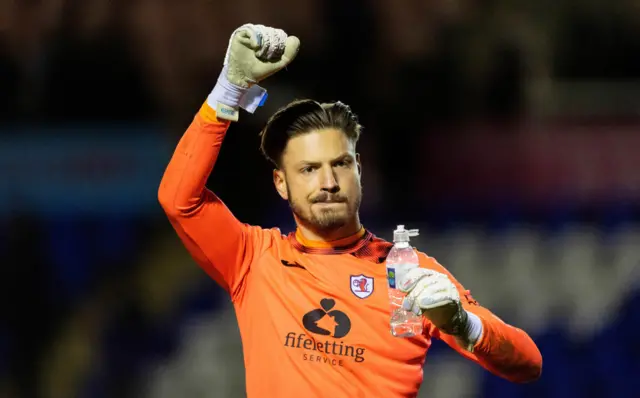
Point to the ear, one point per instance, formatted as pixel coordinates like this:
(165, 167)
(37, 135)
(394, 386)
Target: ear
(359, 164)
(280, 183)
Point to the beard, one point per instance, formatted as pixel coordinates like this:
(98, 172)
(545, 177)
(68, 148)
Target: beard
(326, 219)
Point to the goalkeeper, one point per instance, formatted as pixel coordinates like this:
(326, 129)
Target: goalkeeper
(312, 306)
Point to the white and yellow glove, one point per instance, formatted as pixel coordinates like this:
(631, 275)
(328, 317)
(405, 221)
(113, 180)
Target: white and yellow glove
(255, 52)
(433, 295)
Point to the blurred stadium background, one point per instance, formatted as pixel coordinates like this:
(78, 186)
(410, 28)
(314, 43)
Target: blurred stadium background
(508, 132)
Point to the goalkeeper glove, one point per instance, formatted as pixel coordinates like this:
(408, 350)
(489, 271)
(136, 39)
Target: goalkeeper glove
(255, 52)
(433, 295)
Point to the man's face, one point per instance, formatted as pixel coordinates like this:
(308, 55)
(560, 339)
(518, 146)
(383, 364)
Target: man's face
(320, 178)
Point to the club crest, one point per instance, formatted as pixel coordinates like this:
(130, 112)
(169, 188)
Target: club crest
(361, 285)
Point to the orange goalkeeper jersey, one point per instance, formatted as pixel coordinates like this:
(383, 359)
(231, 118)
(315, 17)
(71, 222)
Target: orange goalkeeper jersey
(314, 317)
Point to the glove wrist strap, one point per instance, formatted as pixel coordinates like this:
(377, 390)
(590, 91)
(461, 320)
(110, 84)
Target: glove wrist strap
(457, 323)
(468, 330)
(226, 98)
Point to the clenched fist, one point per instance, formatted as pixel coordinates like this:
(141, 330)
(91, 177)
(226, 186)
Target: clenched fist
(255, 52)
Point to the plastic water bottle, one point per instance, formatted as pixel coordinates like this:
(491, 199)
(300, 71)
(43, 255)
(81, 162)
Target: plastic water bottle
(400, 260)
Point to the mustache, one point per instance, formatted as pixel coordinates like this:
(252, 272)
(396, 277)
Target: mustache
(326, 197)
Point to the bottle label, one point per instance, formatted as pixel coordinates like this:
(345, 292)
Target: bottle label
(391, 277)
(396, 273)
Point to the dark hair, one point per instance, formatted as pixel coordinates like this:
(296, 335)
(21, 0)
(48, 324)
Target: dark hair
(304, 116)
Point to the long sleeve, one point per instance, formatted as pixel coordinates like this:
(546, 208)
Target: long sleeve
(220, 244)
(502, 349)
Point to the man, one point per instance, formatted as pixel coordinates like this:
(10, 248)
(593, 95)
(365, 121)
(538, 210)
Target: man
(313, 306)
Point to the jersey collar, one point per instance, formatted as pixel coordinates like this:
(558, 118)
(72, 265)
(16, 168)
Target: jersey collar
(345, 245)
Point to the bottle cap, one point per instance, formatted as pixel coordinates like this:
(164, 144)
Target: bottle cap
(403, 235)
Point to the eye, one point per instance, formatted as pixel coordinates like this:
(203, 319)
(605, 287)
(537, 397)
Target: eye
(307, 169)
(343, 163)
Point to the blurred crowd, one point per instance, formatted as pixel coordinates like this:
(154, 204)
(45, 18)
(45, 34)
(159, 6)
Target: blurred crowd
(511, 116)
(132, 60)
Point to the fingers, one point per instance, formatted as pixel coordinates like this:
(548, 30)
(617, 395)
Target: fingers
(248, 38)
(267, 42)
(431, 291)
(411, 278)
(435, 301)
(291, 49)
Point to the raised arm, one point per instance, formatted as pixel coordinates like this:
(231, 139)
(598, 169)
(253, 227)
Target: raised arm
(223, 246)
(217, 241)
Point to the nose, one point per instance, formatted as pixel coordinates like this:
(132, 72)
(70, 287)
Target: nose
(329, 182)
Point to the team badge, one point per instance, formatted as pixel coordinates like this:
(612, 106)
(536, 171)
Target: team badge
(361, 285)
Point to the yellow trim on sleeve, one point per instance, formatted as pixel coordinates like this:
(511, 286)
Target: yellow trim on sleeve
(208, 114)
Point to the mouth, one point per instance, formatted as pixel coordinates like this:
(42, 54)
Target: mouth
(328, 200)
(329, 203)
